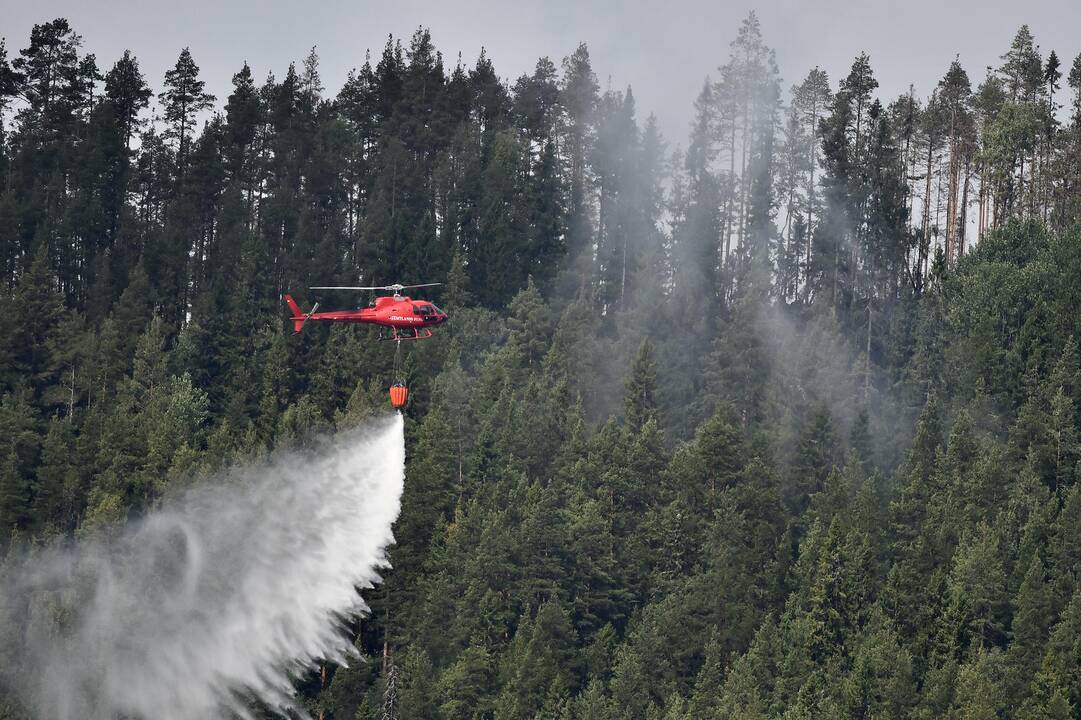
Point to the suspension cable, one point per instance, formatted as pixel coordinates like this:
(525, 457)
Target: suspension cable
(398, 360)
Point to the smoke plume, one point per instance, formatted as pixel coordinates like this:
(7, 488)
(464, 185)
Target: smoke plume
(226, 592)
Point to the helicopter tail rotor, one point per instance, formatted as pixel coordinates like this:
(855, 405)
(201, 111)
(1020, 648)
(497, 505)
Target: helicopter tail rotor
(299, 316)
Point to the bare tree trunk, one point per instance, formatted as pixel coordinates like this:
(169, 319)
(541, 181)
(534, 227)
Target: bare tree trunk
(867, 358)
(939, 192)
(951, 199)
(925, 242)
(743, 183)
(390, 690)
(811, 184)
(322, 686)
(1020, 199)
(729, 196)
(1032, 187)
(962, 229)
(981, 217)
(859, 123)
(71, 399)
(927, 191)
(836, 274)
(623, 276)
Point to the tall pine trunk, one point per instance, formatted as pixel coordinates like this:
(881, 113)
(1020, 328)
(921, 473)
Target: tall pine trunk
(963, 225)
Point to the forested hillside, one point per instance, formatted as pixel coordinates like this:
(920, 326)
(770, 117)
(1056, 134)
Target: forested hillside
(780, 419)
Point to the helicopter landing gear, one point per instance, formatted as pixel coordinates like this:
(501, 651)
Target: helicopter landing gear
(399, 334)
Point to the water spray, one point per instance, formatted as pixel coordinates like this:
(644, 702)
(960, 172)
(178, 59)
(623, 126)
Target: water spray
(225, 593)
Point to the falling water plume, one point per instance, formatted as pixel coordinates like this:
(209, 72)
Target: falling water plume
(226, 592)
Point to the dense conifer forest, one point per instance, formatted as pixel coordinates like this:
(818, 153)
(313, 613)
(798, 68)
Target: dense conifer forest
(777, 420)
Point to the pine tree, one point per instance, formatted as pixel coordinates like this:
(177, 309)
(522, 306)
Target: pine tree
(578, 96)
(417, 691)
(19, 426)
(696, 235)
(42, 309)
(1033, 615)
(542, 656)
(640, 392)
(815, 458)
(1022, 66)
(55, 486)
(13, 495)
(1047, 700)
(182, 100)
(592, 703)
(860, 441)
(128, 93)
(980, 692)
(47, 75)
(530, 325)
(881, 683)
(977, 611)
(496, 271)
(465, 685)
(723, 454)
(243, 116)
(810, 100)
(8, 78)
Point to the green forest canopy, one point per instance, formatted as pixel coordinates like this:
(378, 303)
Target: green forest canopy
(782, 425)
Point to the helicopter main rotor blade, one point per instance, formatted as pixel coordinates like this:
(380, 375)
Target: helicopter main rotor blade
(346, 287)
(395, 287)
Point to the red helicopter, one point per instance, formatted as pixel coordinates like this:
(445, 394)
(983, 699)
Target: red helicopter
(407, 319)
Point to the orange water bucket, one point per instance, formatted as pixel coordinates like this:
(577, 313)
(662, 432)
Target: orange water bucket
(399, 395)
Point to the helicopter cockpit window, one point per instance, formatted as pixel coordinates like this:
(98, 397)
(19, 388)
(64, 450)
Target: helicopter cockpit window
(422, 309)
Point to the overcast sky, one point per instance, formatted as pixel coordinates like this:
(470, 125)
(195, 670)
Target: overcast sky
(663, 48)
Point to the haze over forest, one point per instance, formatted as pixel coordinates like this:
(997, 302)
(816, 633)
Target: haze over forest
(664, 51)
(777, 419)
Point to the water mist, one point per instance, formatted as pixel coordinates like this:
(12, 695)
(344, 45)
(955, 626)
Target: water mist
(231, 589)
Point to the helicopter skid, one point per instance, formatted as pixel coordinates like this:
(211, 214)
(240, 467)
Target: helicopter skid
(417, 334)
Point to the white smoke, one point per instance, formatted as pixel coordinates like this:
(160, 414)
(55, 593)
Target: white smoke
(231, 589)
